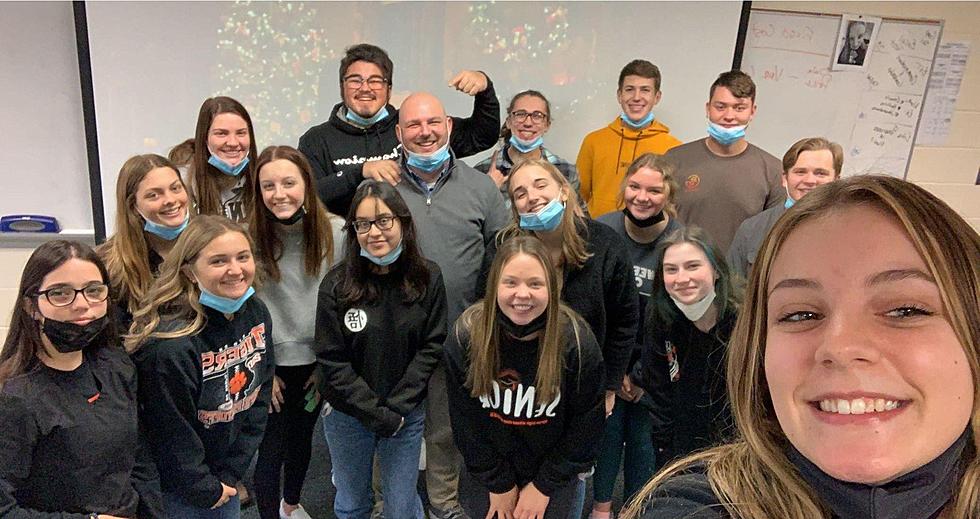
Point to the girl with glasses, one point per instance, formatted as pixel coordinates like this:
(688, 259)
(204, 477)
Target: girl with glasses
(69, 441)
(522, 138)
(297, 241)
(380, 325)
(202, 344)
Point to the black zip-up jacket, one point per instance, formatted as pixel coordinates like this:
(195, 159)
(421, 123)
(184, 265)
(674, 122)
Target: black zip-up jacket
(69, 444)
(602, 291)
(377, 357)
(683, 371)
(920, 494)
(337, 149)
(509, 438)
(205, 401)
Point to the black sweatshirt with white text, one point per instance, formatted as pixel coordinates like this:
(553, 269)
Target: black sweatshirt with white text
(508, 438)
(377, 357)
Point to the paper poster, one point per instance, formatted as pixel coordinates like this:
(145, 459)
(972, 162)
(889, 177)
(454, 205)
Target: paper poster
(944, 89)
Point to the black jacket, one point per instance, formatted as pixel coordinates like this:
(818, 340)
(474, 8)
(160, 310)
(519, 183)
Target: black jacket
(378, 357)
(683, 371)
(510, 439)
(603, 292)
(337, 149)
(920, 494)
(69, 443)
(205, 401)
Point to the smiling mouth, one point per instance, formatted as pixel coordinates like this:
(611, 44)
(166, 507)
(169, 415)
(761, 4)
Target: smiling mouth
(171, 212)
(858, 406)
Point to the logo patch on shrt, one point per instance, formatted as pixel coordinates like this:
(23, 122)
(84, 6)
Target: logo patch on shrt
(692, 183)
(355, 319)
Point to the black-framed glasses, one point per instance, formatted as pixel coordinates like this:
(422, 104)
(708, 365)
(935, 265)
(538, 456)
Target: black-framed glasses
(373, 82)
(65, 296)
(520, 116)
(383, 223)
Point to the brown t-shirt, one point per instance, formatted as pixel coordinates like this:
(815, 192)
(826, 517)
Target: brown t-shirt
(719, 193)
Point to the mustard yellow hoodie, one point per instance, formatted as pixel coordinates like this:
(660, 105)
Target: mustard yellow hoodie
(607, 153)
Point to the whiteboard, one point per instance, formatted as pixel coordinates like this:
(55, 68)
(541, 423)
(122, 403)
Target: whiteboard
(45, 168)
(873, 113)
(153, 63)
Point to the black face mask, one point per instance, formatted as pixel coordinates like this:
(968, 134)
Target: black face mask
(518, 331)
(70, 337)
(646, 222)
(297, 216)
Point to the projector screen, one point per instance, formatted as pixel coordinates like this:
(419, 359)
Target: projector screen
(154, 63)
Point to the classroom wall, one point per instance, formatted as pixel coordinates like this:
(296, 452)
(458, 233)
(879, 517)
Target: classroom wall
(12, 262)
(952, 170)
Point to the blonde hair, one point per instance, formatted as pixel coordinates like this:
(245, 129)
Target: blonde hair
(660, 164)
(752, 477)
(173, 296)
(480, 323)
(573, 245)
(126, 253)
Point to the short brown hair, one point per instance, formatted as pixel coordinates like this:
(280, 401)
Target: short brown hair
(642, 68)
(738, 82)
(814, 144)
(371, 54)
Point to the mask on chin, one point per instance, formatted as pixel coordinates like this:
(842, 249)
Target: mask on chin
(519, 331)
(70, 337)
(695, 311)
(644, 222)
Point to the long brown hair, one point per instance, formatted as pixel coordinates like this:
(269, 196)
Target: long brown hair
(317, 235)
(127, 252)
(480, 323)
(204, 177)
(173, 296)
(21, 349)
(359, 284)
(752, 477)
(573, 227)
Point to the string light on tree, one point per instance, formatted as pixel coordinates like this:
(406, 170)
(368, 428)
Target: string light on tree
(270, 58)
(522, 41)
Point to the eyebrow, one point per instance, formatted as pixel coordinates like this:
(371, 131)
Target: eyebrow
(795, 283)
(890, 276)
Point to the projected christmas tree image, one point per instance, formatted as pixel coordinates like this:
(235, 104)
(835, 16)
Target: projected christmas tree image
(520, 41)
(271, 55)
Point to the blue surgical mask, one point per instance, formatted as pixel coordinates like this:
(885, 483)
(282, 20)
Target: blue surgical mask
(167, 233)
(366, 122)
(636, 125)
(430, 162)
(224, 304)
(725, 136)
(526, 146)
(546, 219)
(226, 168)
(789, 200)
(385, 260)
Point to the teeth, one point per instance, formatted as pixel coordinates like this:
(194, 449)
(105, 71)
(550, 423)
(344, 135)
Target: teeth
(857, 405)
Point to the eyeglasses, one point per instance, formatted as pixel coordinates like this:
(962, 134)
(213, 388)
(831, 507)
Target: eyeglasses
(65, 296)
(373, 82)
(383, 223)
(520, 116)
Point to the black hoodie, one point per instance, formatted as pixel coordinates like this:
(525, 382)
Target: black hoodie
(920, 494)
(510, 439)
(337, 149)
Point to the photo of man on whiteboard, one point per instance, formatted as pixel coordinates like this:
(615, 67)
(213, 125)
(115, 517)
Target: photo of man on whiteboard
(857, 33)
